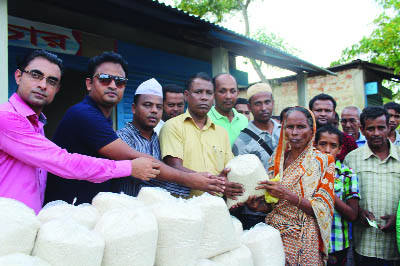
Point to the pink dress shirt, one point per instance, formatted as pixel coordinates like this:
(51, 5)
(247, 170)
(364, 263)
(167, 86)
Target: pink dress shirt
(26, 156)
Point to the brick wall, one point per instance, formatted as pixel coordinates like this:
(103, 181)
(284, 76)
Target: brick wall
(347, 88)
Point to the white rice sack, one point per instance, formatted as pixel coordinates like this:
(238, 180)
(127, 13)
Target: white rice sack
(219, 234)
(130, 236)
(20, 259)
(85, 214)
(205, 262)
(247, 170)
(67, 243)
(180, 228)
(18, 227)
(265, 244)
(105, 201)
(237, 257)
(238, 226)
(154, 195)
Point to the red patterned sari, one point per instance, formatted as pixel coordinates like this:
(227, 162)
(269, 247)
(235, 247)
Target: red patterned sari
(311, 176)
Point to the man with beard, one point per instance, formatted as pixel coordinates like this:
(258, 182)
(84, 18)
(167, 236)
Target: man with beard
(323, 106)
(223, 113)
(192, 141)
(139, 135)
(86, 128)
(173, 104)
(394, 121)
(262, 130)
(260, 138)
(351, 124)
(377, 165)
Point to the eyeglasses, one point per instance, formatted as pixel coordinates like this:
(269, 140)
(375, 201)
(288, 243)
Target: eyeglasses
(351, 121)
(106, 80)
(37, 75)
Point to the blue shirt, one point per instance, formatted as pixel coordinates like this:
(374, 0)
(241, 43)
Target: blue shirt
(85, 130)
(131, 135)
(361, 140)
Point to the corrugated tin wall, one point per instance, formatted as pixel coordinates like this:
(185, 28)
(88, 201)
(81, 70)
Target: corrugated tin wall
(146, 63)
(17, 53)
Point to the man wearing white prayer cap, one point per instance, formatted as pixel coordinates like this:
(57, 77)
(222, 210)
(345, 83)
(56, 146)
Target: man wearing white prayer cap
(139, 134)
(87, 129)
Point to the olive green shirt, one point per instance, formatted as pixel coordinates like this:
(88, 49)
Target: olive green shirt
(379, 183)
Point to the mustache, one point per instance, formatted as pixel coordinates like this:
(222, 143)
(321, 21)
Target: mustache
(377, 138)
(110, 91)
(265, 113)
(40, 91)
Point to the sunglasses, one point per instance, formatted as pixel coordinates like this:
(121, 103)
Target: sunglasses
(106, 80)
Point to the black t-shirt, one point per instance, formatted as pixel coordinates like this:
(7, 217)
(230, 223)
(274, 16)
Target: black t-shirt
(85, 130)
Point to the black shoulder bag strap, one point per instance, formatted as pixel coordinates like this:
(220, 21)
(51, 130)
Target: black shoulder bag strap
(258, 140)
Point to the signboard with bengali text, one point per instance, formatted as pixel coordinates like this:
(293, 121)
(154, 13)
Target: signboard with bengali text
(37, 35)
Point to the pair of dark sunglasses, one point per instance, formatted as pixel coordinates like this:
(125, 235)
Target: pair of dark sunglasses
(106, 80)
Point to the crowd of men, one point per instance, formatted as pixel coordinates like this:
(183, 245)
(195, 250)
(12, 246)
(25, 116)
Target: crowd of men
(185, 152)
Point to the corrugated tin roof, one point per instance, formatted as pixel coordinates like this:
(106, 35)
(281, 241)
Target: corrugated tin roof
(153, 16)
(380, 71)
(301, 64)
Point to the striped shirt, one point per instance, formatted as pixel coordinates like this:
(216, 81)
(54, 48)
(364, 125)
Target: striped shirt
(346, 187)
(131, 135)
(379, 182)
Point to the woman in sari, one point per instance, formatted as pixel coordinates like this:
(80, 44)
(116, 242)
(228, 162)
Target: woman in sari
(303, 214)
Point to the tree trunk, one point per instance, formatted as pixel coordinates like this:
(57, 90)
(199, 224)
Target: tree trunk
(256, 66)
(246, 18)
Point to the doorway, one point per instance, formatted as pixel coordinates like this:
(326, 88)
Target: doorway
(72, 91)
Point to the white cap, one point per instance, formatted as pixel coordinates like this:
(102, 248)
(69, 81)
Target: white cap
(150, 86)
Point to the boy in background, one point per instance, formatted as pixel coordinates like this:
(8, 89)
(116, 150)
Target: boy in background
(329, 140)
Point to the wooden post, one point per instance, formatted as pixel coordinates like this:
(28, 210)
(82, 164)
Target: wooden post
(220, 61)
(302, 89)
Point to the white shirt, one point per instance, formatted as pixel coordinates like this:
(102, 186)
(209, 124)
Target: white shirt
(158, 127)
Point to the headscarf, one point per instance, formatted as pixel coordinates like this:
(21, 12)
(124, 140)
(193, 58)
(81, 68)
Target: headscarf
(279, 157)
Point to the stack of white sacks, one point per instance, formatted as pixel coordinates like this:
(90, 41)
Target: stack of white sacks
(153, 229)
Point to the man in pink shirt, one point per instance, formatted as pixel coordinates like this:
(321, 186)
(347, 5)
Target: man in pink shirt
(26, 155)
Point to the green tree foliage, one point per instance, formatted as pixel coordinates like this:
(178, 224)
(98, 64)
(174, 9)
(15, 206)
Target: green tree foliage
(215, 10)
(383, 45)
(274, 40)
(212, 9)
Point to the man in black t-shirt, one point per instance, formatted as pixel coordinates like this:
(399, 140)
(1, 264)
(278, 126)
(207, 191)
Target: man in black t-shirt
(86, 128)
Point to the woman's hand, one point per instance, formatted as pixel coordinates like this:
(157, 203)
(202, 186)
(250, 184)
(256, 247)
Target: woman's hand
(275, 189)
